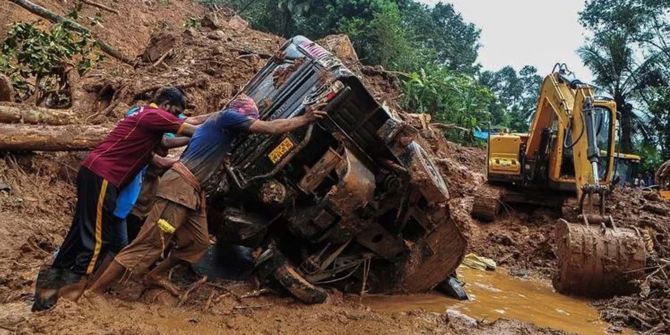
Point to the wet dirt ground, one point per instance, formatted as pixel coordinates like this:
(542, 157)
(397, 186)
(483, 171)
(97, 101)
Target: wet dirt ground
(35, 212)
(36, 207)
(495, 295)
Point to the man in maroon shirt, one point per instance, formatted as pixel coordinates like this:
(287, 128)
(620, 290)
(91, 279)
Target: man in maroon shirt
(95, 231)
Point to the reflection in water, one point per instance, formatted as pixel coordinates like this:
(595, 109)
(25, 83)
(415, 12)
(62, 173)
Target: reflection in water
(496, 295)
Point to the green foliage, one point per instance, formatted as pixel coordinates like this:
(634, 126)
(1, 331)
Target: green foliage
(516, 96)
(651, 157)
(383, 39)
(630, 57)
(659, 120)
(192, 22)
(399, 35)
(442, 35)
(450, 98)
(30, 54)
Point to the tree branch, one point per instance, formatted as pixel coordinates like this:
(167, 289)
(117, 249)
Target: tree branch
(55, 18)
(101, 6)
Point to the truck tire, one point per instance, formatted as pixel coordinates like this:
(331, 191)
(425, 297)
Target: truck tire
(426, 175)
(299, 287)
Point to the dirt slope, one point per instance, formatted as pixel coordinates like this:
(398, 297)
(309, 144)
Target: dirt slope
(141, 17)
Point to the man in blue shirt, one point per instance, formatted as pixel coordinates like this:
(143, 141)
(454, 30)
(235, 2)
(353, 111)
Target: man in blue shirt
(179, 213)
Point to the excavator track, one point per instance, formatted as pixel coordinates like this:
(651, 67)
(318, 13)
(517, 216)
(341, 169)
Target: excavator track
(487, 203)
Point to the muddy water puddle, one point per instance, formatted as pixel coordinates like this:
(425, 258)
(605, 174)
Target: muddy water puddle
(495, 295)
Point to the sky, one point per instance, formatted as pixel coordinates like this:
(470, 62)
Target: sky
(526, 32)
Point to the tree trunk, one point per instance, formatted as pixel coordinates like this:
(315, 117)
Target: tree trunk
(15, 137)
(55, 18)
(626, 122)
(6, 89)
(15, 113)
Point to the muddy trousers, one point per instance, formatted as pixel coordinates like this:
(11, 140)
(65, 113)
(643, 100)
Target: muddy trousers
(95, 230)
(168, 224)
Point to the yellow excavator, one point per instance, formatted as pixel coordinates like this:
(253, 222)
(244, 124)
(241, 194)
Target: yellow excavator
(569, 150)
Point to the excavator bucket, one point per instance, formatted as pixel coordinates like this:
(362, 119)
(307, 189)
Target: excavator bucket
(597, 261)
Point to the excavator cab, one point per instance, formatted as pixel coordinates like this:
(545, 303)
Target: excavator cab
(626, 167)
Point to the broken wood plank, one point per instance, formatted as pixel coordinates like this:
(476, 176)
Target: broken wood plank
(22, 137)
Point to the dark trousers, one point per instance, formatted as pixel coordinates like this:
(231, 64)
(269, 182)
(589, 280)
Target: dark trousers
(95, 231)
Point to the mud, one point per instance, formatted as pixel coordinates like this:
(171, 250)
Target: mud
(281, 75)
(495, 295)
(35, 216)
(37, 198)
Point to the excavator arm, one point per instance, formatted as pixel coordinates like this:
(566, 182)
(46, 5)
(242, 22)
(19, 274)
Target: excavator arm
(586, 152)
(571, 110)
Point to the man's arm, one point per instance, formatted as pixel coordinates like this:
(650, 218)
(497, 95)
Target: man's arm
(186, 129)
(163, 162)
(196, 120)
(174, 142)
(164, 122)
(280, 126)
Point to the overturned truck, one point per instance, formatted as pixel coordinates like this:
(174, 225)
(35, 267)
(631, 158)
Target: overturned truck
(352, 201)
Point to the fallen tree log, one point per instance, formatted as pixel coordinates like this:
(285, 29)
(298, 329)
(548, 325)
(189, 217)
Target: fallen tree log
(16, 113)
(21, 137)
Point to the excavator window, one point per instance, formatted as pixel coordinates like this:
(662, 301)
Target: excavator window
(603, 127)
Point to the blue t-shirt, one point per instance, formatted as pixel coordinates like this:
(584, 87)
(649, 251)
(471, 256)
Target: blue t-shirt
(212, 141)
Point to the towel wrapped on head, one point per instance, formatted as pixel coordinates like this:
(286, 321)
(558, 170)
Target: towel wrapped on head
(245, 105)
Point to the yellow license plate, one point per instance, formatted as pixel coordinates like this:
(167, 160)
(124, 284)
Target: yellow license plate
(281, 150)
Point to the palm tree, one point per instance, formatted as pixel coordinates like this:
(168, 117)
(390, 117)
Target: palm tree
(611, 58)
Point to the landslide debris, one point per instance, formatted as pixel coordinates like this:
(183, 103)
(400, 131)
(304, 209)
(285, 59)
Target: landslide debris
(213, 63)
(648, 310)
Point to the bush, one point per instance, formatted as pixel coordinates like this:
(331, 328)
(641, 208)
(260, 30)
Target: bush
(36, 60)
(450, 98)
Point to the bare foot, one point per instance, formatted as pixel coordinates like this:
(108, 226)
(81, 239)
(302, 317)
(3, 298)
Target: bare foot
(162, 282)
(73, 291)
(93, 300)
